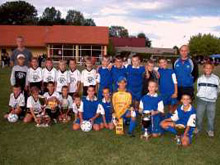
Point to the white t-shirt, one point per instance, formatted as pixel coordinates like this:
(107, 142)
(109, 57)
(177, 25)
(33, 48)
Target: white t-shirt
(62, 79)
(54, 94)
(89, 77)
(49, 75)
(16, 101)
(34, 104)
(66, 102)
(74, 79)
(35, 75)
(75, 108)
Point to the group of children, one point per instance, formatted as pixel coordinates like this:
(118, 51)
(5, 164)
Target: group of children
(110, 92)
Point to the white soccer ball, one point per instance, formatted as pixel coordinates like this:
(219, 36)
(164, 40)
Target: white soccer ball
(86, 126)
(12, 118)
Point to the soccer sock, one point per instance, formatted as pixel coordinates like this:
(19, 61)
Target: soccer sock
(171, 129)
(132, 126)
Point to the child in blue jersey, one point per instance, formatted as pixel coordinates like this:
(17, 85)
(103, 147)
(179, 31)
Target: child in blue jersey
(106, 106)
(105, 77)
(153, 103)
(89, 110)
(185, 115)
(167, 85)
(135, 73)
(118, 70)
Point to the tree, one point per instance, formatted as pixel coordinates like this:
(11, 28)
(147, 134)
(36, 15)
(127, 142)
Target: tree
(75, 18)
(118, 31)
(110, 48)
(50, 16)
(205, 45)
(18, 13)
(148, 42)
(89, 22)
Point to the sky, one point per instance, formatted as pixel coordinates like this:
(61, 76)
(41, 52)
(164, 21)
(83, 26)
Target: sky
(165, 22)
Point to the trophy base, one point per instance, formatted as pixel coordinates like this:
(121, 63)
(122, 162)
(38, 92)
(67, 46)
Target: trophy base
(145, 137)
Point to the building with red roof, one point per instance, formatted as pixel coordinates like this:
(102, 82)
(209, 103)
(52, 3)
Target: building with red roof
(56, 41)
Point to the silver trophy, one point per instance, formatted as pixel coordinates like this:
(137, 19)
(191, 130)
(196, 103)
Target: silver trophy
(146, 122)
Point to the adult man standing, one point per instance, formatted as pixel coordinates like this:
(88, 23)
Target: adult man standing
(186, 73)
(20, 50)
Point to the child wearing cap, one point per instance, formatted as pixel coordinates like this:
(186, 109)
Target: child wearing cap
(19, 73)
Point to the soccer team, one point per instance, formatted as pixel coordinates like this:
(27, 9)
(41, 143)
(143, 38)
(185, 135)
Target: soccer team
(116, 92)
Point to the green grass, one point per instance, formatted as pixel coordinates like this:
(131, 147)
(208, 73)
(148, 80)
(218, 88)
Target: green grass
(25, 144)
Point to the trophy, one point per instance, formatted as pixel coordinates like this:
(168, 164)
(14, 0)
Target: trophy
(146, 122)
(64, 107)
(42, 100)
(119, 127)
(180, 129)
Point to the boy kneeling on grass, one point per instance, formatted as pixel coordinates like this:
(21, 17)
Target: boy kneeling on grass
(36, 110)
(185, 115)
(16, 102)
(89, 111)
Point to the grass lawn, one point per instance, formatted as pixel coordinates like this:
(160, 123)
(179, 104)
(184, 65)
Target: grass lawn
(25, 144)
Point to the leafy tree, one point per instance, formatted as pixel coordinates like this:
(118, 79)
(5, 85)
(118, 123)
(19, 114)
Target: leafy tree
(89, 22)
(110, 48)
(75, 18)
(50, 16)
(148, 42)
(205, 45)
(18, 13)
(118, 31)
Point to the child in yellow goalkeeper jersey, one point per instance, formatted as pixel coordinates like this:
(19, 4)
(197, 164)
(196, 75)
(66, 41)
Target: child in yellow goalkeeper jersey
(122, 101)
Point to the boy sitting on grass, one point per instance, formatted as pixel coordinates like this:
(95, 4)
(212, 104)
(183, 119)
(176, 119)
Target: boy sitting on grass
(90, 111)
(66, 102)
(184, 115)
(16, 102)
(154, 104)
(52, 101)
(35, 110)
(106, 107)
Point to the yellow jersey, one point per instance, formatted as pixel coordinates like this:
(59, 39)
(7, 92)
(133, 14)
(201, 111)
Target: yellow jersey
(121, 101)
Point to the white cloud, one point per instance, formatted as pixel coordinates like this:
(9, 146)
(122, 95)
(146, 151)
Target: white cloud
(145, 5)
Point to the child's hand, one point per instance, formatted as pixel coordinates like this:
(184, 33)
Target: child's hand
(154, 113)
(105, 125)
(92, 121)
(174, 95)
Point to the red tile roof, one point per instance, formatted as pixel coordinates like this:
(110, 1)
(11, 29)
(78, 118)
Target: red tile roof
(128, 42)
(39, 36)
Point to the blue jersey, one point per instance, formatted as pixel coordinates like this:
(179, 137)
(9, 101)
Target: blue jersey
(89, 108)
(153, 103)
(105, 77)
(166, 83)
(187, 118)
(183, 70)
(135, 81)
(116, 73)
(108, 110)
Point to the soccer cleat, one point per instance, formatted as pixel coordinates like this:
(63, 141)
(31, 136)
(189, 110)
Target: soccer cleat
(38, 125)
(210, 133)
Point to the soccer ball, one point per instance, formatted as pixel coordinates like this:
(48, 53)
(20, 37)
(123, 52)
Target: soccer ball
(12, 118)
(86, 126)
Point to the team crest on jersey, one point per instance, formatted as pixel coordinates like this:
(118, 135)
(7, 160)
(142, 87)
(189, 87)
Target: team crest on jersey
(49, 78)
(35, 77)
(62, 80)
(90, 79)
(21, 75)
(72, 79)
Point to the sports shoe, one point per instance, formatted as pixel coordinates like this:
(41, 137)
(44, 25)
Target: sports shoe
(38, 125)
(210, 133)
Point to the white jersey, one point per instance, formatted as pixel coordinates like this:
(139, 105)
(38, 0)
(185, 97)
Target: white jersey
(47, 95)
(18, 101)
(34, 104)
(34, 75)
(66, 102)
(49, 75)
(89, 77)
(62, 79)
(74, 79)
(76, 108)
